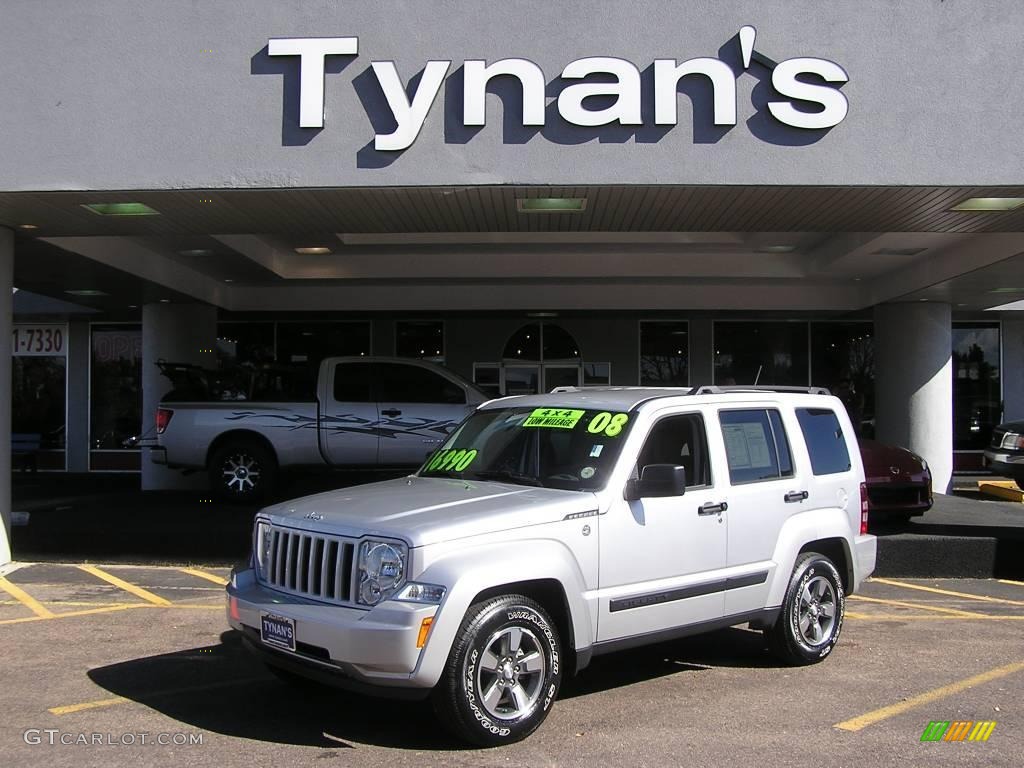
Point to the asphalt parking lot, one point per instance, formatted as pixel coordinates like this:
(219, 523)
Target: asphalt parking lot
(129, 654)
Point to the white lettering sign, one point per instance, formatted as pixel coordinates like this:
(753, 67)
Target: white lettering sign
(49, 340)
(613, 83)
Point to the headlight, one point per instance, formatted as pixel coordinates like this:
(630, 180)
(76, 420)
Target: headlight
(381, 570)
(1012, 441)
(261, 547)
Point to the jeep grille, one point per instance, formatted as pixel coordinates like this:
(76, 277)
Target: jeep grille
(311, 565)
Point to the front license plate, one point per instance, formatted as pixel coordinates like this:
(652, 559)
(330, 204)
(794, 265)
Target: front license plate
(277, 631)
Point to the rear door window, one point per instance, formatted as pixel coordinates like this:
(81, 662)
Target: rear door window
(755, 445)
(826, 444)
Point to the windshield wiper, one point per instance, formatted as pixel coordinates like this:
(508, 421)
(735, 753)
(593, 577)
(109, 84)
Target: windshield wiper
(504, 474)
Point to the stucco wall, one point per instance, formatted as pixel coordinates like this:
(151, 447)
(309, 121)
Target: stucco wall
(150, 94)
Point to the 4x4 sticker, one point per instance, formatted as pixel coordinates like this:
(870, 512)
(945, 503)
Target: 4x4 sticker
(559, 418)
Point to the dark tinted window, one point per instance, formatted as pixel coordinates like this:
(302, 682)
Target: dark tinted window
(825, 442)
(352, 383)
(755, 445)
(397, 383)
(664, 353)
(680, 441)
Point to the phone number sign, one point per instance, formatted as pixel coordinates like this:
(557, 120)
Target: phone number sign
(49, 340)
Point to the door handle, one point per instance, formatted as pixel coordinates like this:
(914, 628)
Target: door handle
(794, 496)
(712, 509)
(391, 412)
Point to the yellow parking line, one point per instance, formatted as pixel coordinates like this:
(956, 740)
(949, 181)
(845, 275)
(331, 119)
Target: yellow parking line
(69, 708)
(938, 591)
(145, 594)
(204, 575)
(25, 599)
(922, 606)
(70, 614)
(1011, 581)
(929, 617)
(88, 705)
(870, 718)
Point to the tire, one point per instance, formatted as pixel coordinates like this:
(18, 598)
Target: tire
(804, 633)
(242, 471)
(484, 696)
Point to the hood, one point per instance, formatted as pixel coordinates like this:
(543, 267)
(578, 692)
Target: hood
(427, 510)
(880, 458)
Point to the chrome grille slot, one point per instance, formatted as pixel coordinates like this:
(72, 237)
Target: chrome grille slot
(311, 565)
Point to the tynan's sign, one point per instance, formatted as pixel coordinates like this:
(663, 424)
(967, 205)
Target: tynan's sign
(790, 79)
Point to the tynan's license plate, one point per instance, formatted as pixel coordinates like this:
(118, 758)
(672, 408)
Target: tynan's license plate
(277, 631)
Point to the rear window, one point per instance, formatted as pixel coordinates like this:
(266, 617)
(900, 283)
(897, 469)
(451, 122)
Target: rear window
(755, 445)
(826, 444)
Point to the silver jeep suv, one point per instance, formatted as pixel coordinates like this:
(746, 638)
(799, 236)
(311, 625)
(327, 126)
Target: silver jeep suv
(549, 529)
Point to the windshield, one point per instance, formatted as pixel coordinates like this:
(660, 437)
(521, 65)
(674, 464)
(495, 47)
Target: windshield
(564, 448)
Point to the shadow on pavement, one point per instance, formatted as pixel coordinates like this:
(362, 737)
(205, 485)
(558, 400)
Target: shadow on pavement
(224, 689)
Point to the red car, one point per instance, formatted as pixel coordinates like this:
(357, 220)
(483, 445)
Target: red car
(899, 482)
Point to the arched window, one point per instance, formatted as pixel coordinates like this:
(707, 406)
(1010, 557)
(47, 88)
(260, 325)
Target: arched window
(540, 343)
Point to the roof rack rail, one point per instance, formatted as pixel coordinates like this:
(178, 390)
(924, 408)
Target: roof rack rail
(619, 388)
(715, 389)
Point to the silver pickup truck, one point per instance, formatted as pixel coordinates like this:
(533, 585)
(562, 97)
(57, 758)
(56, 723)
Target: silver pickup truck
(364, 412)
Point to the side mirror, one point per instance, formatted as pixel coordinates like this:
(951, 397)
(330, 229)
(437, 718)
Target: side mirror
(657, 480)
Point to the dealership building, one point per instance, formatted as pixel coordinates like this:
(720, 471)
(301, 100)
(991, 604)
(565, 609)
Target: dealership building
(534, 194)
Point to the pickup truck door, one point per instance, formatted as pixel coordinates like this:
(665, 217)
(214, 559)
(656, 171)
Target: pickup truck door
(418, 408)
(661, 558)
(349, 429)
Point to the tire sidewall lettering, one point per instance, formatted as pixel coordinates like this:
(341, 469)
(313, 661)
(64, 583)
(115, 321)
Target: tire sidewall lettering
(794, 614)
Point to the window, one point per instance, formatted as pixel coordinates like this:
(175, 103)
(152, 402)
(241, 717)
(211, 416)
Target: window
(397, 383)
(37, 399)
(976, 385)
(664, 354)
(250, 344)
(419, 338)
(761, 352)
(843, 359)
(116, 386)
(755, 445)
(825, 442)
(680, 441)
(352, 383)
(309, 343)
(487, 376)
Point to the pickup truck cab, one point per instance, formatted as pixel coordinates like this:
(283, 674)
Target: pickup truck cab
(364, 412)
(548, 529)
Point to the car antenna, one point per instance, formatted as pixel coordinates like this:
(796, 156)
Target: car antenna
(756, 378)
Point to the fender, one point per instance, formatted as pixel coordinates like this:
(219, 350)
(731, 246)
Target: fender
(798, 530)
(467, 572)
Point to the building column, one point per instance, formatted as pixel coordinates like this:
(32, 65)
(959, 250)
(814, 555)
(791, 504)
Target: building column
(702, 351)
(914, 383)
(76, 432)
(1012, 372)
(6, 290)
(179, 333)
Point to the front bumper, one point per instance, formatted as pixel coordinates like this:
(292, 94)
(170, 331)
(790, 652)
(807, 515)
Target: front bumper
(348, 647)
(1004, 463)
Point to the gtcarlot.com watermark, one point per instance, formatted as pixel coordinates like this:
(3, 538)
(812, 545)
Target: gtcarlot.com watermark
(53, 738)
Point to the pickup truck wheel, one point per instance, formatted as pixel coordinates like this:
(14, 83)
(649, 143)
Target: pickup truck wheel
(242, 471)
(503, 672)
(812, 612)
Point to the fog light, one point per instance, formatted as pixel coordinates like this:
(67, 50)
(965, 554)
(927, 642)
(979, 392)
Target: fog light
(421, 640)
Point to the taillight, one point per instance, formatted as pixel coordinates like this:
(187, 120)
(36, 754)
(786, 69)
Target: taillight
(163, 418)
(863, 508)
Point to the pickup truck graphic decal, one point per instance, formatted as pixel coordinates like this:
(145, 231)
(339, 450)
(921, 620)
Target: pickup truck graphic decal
(389, 428)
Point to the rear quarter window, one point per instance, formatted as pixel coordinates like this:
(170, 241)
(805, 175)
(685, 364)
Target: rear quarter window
(826, 444)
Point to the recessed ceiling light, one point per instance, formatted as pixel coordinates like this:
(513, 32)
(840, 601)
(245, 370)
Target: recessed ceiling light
(27, 226)
(196, 252)
(776, 249)
(121, 209)
(989, 204)
(228, 280)
(1007, 290)
(313, 250)
(551, 204)
(85, 292)
(898, 251)
(165, 301)
(133, 306)
(541, 314)
(922, 299)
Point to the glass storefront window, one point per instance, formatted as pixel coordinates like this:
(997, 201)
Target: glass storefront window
(38, 399)
(843, 359)
(115, 386)
(977, 403)
(760, 352)
(309, 343)
(664, 354)
(420, 338)
(249, 344)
